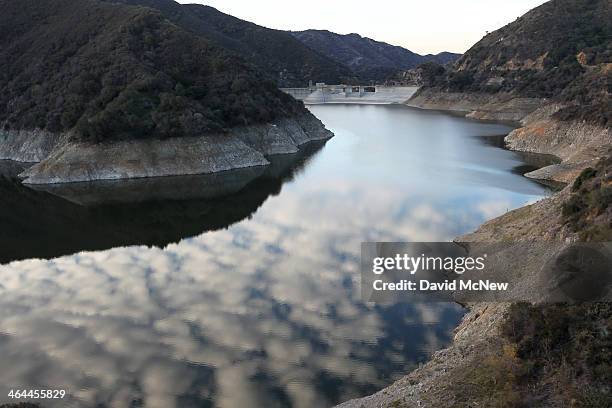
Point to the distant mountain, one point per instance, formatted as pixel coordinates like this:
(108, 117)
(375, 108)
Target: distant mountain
(276, 53)
(101, 71)
(561, 50)
(367, 58)
(442, 58)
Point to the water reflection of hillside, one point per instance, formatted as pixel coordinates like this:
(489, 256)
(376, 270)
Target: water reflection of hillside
(55, 220)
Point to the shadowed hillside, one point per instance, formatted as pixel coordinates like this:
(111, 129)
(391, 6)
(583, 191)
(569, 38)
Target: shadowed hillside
(110, 71)
(276, 53)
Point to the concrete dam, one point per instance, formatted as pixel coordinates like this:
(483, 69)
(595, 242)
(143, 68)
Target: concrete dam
(352, 94)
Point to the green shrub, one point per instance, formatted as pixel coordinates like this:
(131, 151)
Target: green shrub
(587, 211)
(564, 347)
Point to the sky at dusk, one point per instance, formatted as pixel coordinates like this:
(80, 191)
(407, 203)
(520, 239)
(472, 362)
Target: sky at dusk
(429, 26)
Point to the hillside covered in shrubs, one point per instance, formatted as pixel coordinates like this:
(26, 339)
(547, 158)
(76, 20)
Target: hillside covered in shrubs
(109, 71)
(560, 50)
(588, 211)
(561, 356)
(276, 53)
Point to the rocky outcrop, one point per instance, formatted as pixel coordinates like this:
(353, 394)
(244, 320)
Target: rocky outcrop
(495, 107)
(578, 143)
(28, 145)
(240, 148)
(284, 136)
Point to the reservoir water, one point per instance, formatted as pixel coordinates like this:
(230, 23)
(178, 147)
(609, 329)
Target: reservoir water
(242, 289)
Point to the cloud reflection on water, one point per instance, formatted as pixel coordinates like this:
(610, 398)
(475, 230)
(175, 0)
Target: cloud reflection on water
(268, 311)
(136, 326)
(256, 314)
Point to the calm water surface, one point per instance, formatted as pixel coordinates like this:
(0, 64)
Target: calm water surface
(254, 299)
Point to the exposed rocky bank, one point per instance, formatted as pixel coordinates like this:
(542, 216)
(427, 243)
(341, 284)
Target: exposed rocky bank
(578, 143)
(495, 107)
(60, 159)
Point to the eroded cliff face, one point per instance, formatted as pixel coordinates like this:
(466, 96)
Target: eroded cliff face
(67, 161)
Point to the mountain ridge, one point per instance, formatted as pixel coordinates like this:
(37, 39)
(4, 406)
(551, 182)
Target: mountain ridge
(289, 58)
(282, 58)
(367, 58)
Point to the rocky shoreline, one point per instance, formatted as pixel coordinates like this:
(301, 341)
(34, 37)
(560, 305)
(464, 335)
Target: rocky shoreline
(465, 373)
(577, 143)
(58, 159)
